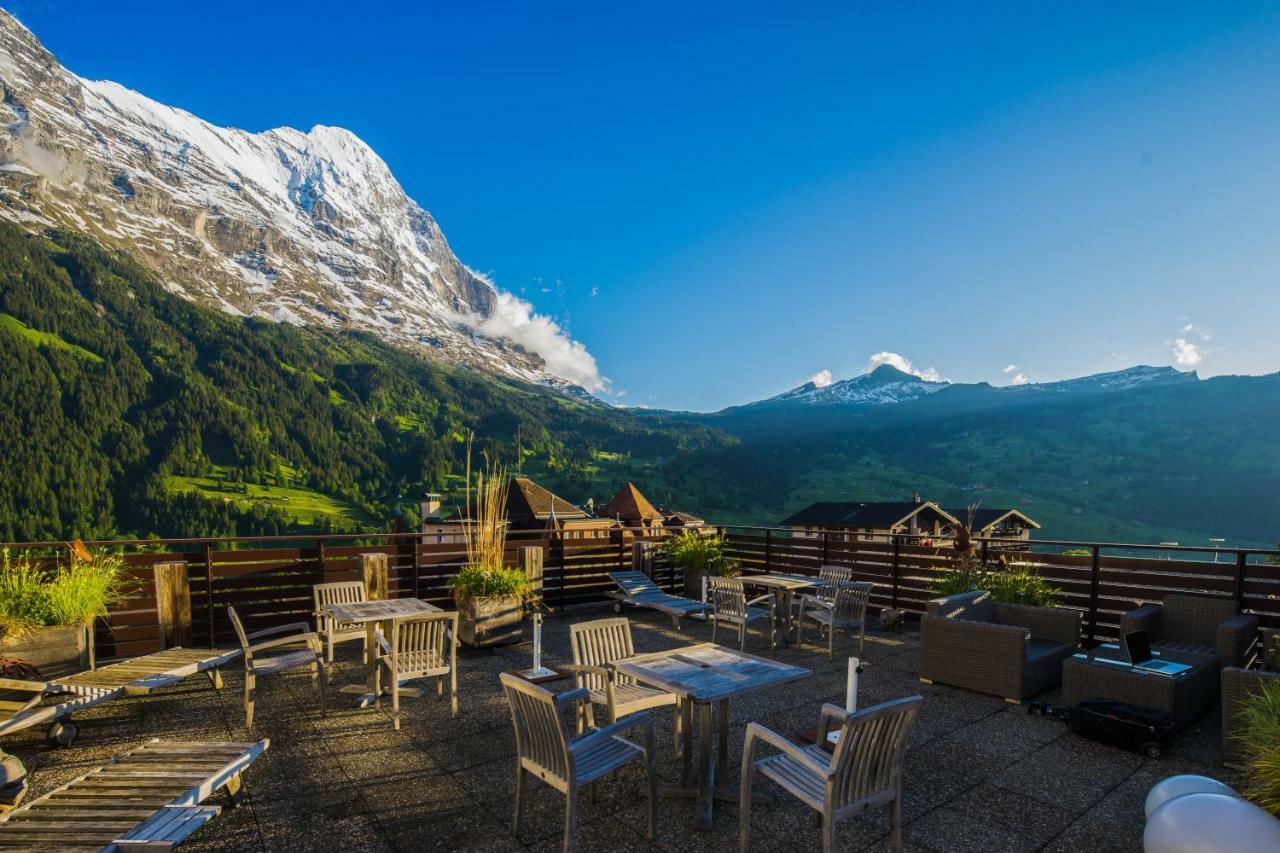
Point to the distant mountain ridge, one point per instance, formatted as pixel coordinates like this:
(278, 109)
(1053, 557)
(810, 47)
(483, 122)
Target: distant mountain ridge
(887, 385)
(308, 228)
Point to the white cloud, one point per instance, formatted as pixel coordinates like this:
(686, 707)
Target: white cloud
(904, 364)
(514, 320)
(1186, 353)
(1016, 375)
(821, 379)
(595, 291)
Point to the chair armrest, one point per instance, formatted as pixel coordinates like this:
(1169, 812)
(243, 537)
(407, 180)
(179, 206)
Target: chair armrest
(584, 668)
(810, 599)
(1235, 638)
(308, 637)
(1061, 624)
(576, 696)
(294, 627)
(756, 732)
(630, 721)
(1145, 618)
(830, 712)
(766, 598)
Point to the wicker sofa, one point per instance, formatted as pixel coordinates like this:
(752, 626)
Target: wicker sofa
(1009, 650)
(1196, 623)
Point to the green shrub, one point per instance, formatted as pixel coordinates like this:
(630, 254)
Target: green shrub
(695, 551)
(1260, 737)
(1077, 552)
(1015, 583)
(73, 591)
(477, 582)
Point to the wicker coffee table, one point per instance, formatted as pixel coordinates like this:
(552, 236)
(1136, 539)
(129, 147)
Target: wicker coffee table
(1102, 673)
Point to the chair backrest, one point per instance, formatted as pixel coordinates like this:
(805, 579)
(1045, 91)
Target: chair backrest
(421, 643)
(869, 756)
(542, 733)
(976, 606)
(341, 592)
(851, 602)
(728, 596)
(239, 626)
(829, 578)
(1195, 618)
(635, 583)
(599, 643)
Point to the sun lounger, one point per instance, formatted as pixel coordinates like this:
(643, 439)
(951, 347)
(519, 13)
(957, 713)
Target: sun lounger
(638, 590)
(51, 703)
(147, 799)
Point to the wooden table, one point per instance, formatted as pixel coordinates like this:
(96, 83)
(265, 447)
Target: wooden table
(376, 616)
(784, 588)
(704, 675)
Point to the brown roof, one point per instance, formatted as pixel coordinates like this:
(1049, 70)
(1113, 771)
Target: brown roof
(528, 500)
(628, 503)
(675, 516)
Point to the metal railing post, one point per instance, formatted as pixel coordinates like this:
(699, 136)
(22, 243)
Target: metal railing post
(1094, 579)
(1242, 562)
(824, 548)
(893, 597)
(768, 548)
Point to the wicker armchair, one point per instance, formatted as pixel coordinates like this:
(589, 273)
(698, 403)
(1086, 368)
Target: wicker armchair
(1239, 685)
(1009, 650)
(1196, 623)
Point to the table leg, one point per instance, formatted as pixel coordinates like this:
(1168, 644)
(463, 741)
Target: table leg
(686, 772)
(369, 690)
(705, 804)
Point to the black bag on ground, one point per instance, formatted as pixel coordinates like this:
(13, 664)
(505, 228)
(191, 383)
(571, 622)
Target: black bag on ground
(1131, 727)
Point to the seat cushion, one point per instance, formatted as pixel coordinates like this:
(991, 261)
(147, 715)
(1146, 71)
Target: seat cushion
(1038, 648)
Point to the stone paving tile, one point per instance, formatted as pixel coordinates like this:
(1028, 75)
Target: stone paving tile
(981, 774)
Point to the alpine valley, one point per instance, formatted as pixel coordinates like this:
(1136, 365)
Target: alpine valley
(209, 331)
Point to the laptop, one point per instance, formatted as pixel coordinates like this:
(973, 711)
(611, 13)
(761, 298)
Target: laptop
(1137, 649)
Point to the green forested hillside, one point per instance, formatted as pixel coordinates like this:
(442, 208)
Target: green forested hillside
(128, 410)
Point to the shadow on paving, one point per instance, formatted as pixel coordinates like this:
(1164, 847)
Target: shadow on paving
(980, 774)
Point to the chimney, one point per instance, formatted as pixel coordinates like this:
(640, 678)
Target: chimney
(591, 506)
(429, 506)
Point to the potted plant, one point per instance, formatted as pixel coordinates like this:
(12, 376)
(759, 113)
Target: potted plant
(1260, 739)
(490, 595)
(47, 609)
(699, 555)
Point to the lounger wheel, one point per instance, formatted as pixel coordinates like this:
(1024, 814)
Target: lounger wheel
(62, 733)
(1152, 749)
(617, 607)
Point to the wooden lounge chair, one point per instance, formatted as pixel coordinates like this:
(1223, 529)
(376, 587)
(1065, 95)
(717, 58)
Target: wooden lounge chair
(864, 771)
(730, 605)
(421, 647)
(545, 749)
(638, 590)
(331, 630)
(846, 611)
(597, 644)
(146, 799)
(255, 664)
(33, 703)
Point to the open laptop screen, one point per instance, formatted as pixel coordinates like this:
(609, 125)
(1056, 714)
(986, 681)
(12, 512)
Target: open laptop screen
(1137, 647)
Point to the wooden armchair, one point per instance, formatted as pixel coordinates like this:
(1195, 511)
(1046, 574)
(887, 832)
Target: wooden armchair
(729, 604)
(595, 646)
(845, 611)
(421, 647)
(331, 630)
(545, 748)
(864, 771)
(255, 664)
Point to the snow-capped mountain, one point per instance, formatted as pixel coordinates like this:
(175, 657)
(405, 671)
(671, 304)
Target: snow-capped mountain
(888, 385)
(1116, 380)
(299, 227)
(884, 385)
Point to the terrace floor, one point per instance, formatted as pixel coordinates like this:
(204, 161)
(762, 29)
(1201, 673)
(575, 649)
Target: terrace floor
(980, 775)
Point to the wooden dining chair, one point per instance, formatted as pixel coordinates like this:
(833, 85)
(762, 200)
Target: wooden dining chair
(847, 612)
(729, 604)
(595, 646)
(420, 647)
(863, 772)
(331, 630)
(252, 644)
(545, 749)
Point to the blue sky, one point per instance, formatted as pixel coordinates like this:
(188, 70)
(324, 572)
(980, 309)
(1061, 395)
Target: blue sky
(722, 201)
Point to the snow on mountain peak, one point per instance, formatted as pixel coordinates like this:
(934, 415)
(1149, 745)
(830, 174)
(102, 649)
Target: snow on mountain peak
(301, 227)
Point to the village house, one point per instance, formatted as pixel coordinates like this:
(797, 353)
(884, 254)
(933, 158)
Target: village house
(995, 523)
(632, 509)
(529, 508)
(871, 521)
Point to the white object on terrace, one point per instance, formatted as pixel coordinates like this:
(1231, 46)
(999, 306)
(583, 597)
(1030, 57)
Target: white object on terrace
(1173, 787)
(1210, 823)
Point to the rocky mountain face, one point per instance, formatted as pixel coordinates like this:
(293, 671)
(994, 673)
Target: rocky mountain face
(300, 227)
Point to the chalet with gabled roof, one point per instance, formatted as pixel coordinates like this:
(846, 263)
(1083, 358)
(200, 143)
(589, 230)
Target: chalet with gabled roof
(529, 508)
(632, 509)
(870, 521)
(996, 523)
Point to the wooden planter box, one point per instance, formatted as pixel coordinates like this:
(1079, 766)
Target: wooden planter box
(56, 650)
(490, 621)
